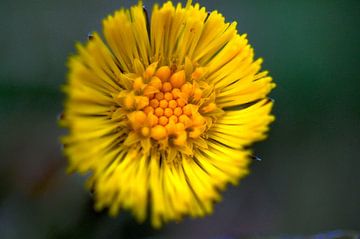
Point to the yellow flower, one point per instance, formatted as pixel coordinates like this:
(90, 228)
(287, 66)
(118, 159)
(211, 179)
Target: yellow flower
(162, 114)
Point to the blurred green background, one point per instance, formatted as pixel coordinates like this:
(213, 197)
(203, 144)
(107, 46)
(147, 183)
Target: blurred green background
(307, 182)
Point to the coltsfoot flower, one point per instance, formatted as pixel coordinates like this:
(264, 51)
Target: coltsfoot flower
(162, 114)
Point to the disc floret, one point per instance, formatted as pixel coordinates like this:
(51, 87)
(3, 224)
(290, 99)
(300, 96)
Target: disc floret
(163, 105)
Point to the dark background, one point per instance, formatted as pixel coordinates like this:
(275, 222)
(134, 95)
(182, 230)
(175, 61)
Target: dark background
(308, 179)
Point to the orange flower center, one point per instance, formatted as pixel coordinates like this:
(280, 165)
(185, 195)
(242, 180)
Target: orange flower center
(163, 106)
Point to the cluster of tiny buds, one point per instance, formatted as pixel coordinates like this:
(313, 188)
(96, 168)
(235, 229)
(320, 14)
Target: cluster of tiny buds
(162, 105)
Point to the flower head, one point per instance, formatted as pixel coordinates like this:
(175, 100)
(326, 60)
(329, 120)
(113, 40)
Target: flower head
(162, 113)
